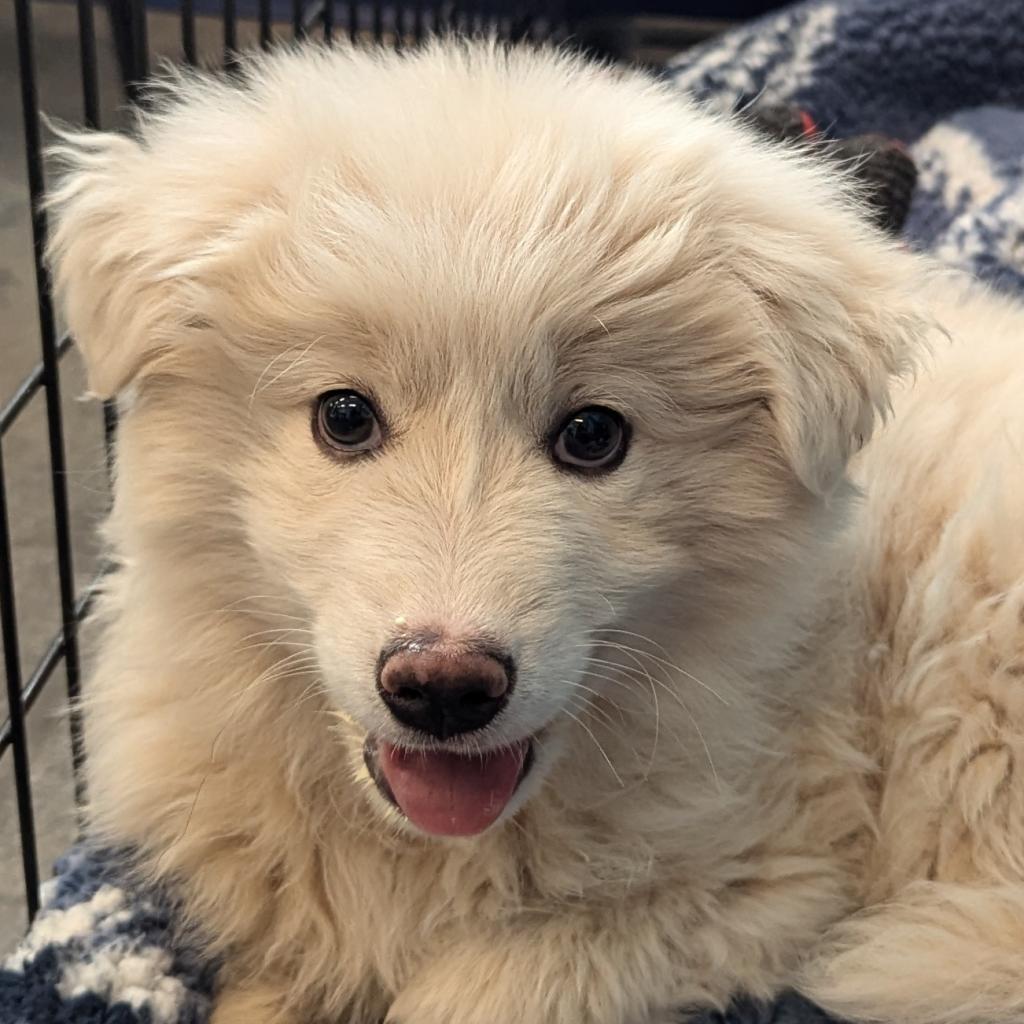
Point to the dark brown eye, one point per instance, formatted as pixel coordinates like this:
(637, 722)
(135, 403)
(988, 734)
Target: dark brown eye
(592, 439)
(347, 421)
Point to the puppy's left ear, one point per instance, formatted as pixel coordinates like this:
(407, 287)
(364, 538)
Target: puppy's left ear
(115, 239)
(840, 316)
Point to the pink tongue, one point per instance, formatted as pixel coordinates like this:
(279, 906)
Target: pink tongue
(448, 794)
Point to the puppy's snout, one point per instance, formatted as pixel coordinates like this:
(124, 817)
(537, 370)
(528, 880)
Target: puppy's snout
(444, 691)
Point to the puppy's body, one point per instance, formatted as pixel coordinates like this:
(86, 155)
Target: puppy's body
(774, 720)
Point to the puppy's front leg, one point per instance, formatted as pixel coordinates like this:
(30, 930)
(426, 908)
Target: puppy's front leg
(261, 1004)
(592, 969)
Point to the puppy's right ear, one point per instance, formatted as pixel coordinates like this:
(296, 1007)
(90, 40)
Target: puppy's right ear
(113, 273)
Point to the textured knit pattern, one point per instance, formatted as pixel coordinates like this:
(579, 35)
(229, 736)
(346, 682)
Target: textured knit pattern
(101, 952)
(946, 76)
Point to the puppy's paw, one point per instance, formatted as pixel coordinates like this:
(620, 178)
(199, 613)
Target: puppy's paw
(516, 1013)
(525, 982)
(250, 1005)
(672, 1016)
(488, 986)
(664, 1017)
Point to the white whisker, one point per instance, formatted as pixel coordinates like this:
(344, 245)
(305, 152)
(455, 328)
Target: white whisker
(586, 728)
(676, 697)
(660, 661)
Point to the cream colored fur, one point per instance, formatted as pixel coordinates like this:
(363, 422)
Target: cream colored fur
(779, 715)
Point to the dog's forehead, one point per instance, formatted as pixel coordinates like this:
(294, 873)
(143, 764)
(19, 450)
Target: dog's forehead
(524, 278)
(533, 243)
(486, 348)
(533, 299)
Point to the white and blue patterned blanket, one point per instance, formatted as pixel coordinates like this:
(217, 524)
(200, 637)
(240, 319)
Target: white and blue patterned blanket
(946, 76)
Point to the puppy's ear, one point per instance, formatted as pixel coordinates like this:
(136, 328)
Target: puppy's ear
(111, 254)
(840, 316)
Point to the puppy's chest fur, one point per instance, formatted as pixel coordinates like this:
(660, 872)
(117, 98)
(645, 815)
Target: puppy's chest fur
(757, 873)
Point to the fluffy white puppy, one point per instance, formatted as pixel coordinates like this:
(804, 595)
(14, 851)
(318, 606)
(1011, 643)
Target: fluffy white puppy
(509, 621)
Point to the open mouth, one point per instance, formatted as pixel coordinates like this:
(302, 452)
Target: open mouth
(444, 793)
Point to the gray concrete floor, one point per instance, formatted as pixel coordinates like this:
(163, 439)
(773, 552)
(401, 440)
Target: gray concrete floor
(25, 448)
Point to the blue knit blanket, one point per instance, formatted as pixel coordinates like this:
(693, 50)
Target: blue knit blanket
(946, 76)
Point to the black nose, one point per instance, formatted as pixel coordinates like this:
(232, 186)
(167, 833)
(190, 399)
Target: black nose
(444, 691)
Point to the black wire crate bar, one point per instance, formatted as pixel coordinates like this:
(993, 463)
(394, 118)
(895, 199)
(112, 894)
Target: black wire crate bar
(328, 20)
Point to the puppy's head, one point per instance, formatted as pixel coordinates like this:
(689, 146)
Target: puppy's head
(471, 363)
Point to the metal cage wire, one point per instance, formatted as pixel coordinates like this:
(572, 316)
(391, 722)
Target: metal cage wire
(397, 25)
